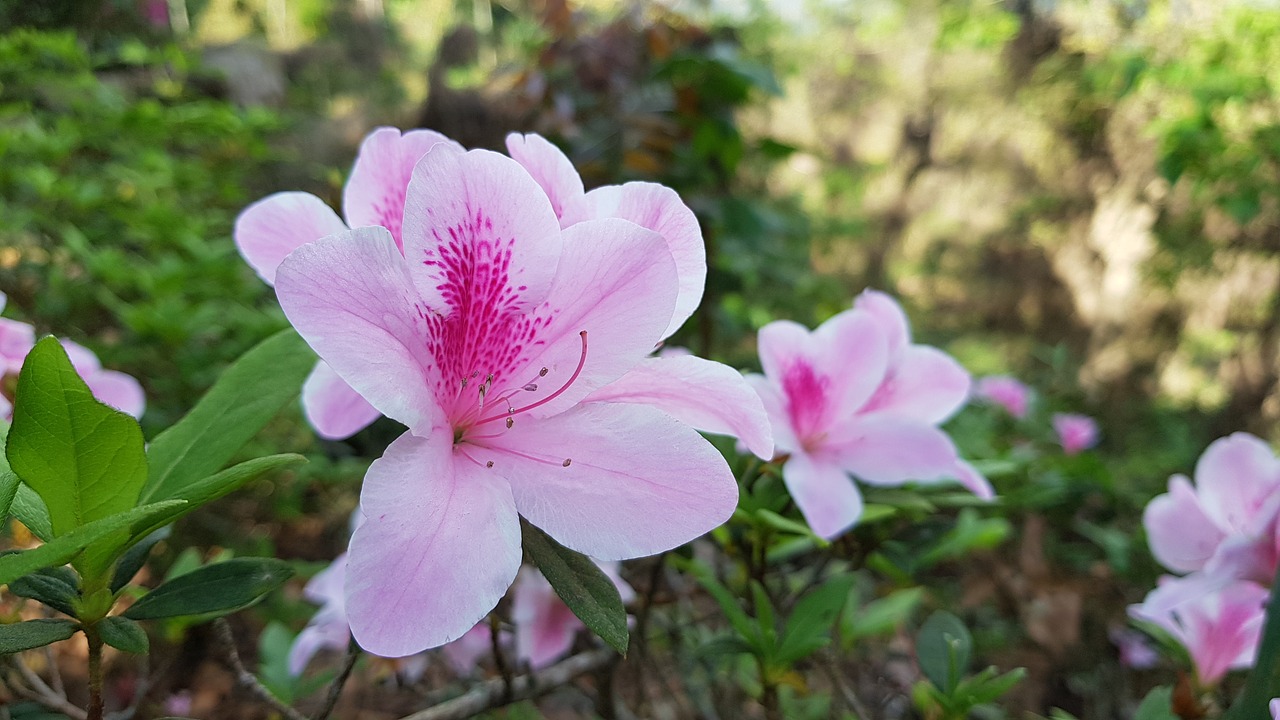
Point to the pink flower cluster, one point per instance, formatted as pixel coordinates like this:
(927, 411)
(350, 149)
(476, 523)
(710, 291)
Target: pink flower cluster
(507, 318)
(1223, 533)
(114, 388)
(1075, 432)
(857, 397)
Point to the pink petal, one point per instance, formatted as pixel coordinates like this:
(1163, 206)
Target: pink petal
(118, 390)
(660, 209)
(476, 224)
(825, 494)
(375, 192)
(334, 409)
(711, 397)
(887, 450)
(617, 282)
(1006, 392)
(925, 384)
(327, 586)
(1237, 479)
(889, 316)
(1219, 624)
(463, 654)
(1075, 432)
(16, 340)
(545, 626)
(351, 297)
(551, 169)
(973, 481)
(312, 640)
(614, 481)
(1181, 535)
(268, 230)
(82, 358)
(439, 547)
(775, 407)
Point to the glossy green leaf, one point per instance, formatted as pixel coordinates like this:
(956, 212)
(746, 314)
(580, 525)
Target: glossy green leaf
(64, 549)
(84, 458)
(588, 592)
(243, 400)
(124, 634)
(31, 512)
(56, 587)
(213, 589)
(944, 648)
(33, 634)
(1157, 705)
(9, 484)
(809, 626)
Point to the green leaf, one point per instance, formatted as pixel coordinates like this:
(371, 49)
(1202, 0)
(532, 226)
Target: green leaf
(124, 634)
(213, 589)
(766, 622)
(31, 512)
(738, 618)
(9, 483)
(64, 549)
(133, 560)
(944, 648)
(33, 634)
(84, 458)
(240, 403)
(723, 645)
(1157, 705)
(883, 616)
(809, 625)
(583, 586)
(56, 587)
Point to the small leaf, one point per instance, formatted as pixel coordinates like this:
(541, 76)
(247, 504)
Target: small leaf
(135, 558)
(65, 548)
(243, 400)
(9, 483)
(31, 512)
(84, 458)
(1157, 705)
(809, 626)
(56, 587)
(124, 634)
(883, 616)
(738, 618)
(588, 592)
(33, 634)
(943, 647)
(213, 589)
(723, 645)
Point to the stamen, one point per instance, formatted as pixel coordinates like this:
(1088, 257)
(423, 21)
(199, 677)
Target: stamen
(582, 360)
(510, 422)
(567, 461)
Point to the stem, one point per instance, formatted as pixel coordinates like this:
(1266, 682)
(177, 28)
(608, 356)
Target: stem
(499, 659)
(246, 678)
(768, 694)
(335, 690)
(96, 707)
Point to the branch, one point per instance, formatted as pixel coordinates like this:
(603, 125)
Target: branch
(42, 693)
(335, 689)
(245, 678)
(493, 694)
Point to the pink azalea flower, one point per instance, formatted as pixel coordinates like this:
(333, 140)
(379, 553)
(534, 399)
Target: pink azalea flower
(1135, 648)
(1075, 432)
(856, 397)
(114, 388)
(275, 226)
(1006, 392)
(1220, 629)
(1226, 524)
(498, 339)
(545, 626)
(1275, 708)
(464, 654)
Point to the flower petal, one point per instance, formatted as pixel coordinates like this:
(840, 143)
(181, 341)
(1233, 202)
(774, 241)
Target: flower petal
(545, 626)
(16, 340)
(439, 547)
(552, 170)
(375, 192)
(313, 639)
(775, 407)
(887, 450)
(463, 654)
(1182, 537)
(973, 481)
(658, 208)
(332, 407)
(1237, 479)
(889, 316)
(614, 481)
(710, 396)
(351, 297)
(268, 230)
(925, 384)
(825, 494)
(118, 390)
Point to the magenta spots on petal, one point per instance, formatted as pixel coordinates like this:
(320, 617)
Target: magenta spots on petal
(806, 394)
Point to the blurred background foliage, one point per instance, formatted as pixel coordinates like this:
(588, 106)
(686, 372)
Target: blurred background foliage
(1083, 193)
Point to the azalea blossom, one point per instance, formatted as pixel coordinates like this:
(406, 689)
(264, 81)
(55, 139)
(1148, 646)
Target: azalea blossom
(1075, 432)
(856, 397)
(1135, 648)
(1220, 629)
(1006, 392)
(1225, 524)
(515, 354)
(545, 626)
(1275, 708)
(268, 230)
(114, 388)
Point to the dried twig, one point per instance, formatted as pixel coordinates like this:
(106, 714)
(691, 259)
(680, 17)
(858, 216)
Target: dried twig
(41, 693)
(335, 688)
(245, 678)
(490, 694)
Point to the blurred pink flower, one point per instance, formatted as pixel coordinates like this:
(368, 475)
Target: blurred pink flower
(857, 397)
(268, 230)
(1135, 648)
(545, 626)
(464, 654)
(1006, 392)
(1275, 708)
(1225, 524)
(178, 704)
(496, 338)
(1219, 629)
(1075, 432)
(114, 388)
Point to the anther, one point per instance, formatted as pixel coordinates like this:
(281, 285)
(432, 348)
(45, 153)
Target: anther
(510, 422)
(543, 372)
(567, 461)
(582, 361)
(531, 387)
(489, 464)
